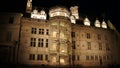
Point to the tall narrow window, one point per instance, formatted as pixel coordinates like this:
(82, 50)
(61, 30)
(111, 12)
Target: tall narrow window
(96, 57)
(73, 57)
(108, 57)
(99, 37)
(11, 20)
(41, 31)
(78, 57)
(34, 31)
(100, 46)
(39, 57)
(88, 35)
(46, 42)
(47, 31)
(87, 57)
(107, 47)
(33, 42)
(46, 57)
(40, 42)
(86, 22)
(104, 57)
(74, 47)
(31, 56)
(73, 34)
(9, 36)
(100, 57)
(92, 57)
(89, 45)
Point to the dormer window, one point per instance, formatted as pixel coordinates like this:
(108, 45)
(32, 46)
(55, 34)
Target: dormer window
(43, 15)
(42, 12)
(35, 11)
(86, 22)
(97, 23)
(38, 15)
(104, 25)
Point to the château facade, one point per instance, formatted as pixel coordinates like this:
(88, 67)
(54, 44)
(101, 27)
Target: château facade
(56, 38)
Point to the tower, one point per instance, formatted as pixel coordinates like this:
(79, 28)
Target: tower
(74, 11)
(29, 6)
(60, 48)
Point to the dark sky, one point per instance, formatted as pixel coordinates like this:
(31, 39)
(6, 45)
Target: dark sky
(107, 9)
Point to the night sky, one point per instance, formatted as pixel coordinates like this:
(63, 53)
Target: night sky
(102, 9)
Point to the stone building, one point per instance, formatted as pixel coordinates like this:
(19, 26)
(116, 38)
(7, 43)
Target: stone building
(59, 37)
(9, 36)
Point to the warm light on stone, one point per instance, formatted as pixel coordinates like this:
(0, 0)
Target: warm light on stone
(97, 23)
(86, 22)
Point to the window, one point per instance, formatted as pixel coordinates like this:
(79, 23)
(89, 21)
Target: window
(107, 47)
(97, 23)
(32, 57)
(33, 42)
(86, 22)
(41, 31)
(9, 36)
(92, 57)
(100, 57)
(104, 57)
(40, 42)
(109, 57)
(96, 57)
(104, 25)
(99, 37)
(88, 35)
(73, 57)
(39, 57)
(46, 57)
(46, 42)
(47, 31)
(89, 45)
(11, 20)
(87, 58)
(78, 57)
(100, 46)
(73, 42)
(34, 31)
(73, 34)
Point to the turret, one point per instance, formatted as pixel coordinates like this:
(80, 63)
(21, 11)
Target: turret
(74, 12)
(29, 6)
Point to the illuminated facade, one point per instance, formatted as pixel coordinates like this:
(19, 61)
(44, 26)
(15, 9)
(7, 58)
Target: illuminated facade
(58, 40)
